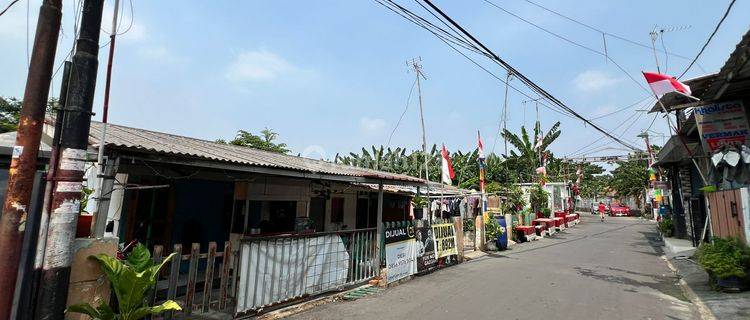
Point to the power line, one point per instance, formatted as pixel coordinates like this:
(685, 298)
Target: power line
(568, 40)
(8, 7)
(526, 80)
(621, 109)
(408, 99)
(602, 31)
(726, 13)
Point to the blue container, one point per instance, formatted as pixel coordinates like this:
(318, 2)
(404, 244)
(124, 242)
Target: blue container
(502, 240)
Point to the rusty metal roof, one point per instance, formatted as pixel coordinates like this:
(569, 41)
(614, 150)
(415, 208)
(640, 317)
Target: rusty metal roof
(122, 137)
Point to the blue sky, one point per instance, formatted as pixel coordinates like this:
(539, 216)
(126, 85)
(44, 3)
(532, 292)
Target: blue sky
(331, 76)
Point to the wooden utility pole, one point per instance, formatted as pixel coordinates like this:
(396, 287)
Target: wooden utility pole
(24, 160)
(66, 197)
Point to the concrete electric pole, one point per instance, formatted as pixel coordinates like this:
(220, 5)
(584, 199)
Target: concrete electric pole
(66, 198)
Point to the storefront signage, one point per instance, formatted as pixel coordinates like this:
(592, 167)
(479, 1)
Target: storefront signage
(400, 252)
(445, 239)
(426, 259)
(722, 124)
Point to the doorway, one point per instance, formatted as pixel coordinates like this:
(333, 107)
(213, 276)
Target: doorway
(318, 213)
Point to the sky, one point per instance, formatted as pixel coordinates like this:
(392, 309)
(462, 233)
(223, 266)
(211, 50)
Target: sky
(332, 76)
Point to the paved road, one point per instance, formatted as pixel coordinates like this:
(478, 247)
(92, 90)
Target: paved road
(595, 270)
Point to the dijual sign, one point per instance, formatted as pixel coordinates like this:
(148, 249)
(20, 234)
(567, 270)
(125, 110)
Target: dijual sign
(722, 124)
(445, 239)
(400, 252)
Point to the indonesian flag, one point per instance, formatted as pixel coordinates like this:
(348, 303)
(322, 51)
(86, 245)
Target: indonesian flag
(447, 168)
(662, 84)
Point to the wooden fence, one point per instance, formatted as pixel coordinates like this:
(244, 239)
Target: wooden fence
(206, 285)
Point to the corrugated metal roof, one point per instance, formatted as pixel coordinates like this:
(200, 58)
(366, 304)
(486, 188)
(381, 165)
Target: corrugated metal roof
(170, 144)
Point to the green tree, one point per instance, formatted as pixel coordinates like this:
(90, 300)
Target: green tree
(10, 110)
(264, 141)
(630, 179)
(538, 198)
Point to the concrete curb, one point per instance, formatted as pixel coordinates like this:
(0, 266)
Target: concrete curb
(307, 305)
(704, 311)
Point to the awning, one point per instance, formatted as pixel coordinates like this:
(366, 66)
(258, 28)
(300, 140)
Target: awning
(674, 152)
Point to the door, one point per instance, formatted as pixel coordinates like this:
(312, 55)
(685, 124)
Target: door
(726, 214)
(362, 206)
(318, 213)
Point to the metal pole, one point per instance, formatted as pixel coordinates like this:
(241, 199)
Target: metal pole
(24, 160)
(379, 224)
(66, 197)
(100, 222)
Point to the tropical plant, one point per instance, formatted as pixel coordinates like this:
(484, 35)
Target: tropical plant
(10, 111)
(526, 158)
(264, 141)
(545, 212)
(538, 198)
(132, 280)
(724, 258)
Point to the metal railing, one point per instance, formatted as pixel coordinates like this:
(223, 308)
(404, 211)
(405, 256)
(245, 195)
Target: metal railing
(280, 269)
(198, 282)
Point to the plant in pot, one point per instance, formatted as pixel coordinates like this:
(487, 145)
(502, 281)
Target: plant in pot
(419, 204)
(492, 230)
(727, 262)
(538, 198)
(666, 227)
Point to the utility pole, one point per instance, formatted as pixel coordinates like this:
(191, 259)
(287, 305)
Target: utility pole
(24, 159)
(418, 71)
(100, 219)
(505, 111)
(66, 198)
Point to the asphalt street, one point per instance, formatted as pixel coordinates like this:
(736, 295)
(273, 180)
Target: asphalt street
(610, 270)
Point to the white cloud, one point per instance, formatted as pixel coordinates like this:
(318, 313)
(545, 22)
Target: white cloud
(259, 65)
(371, 126)
(593, 80)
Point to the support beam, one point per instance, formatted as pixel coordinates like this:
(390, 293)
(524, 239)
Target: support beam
(379, 224)
(105, 195)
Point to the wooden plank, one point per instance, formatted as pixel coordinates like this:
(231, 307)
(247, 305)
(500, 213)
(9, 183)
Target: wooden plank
(157, 257)
(208, 284)
(224, 282)
(174, 274)
(192, 277)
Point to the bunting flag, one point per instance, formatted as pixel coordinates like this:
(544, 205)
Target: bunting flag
(447, 167)
(480, 148)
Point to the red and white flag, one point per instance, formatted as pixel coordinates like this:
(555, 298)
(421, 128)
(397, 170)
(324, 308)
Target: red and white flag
(480, 147)
(447, 168)
(662, 84)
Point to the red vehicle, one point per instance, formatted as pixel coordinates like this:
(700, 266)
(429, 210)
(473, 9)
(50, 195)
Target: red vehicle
(619, 210)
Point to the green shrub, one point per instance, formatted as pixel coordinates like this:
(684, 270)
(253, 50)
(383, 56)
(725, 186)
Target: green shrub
(492, 229)
(419, 202)
(546, 212)
(666, 226)
(724, 257)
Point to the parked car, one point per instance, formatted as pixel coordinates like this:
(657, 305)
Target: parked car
(619, 210)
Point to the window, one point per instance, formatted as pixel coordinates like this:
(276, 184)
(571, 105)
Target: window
(337, 210)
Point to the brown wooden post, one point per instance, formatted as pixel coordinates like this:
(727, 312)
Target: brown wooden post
(174, 274)
(225, 267)
(195, 253)
(208, 284)
(458, 224)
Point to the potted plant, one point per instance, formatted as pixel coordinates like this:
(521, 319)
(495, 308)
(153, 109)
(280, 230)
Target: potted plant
(419, 204)
(538, 198)
(727, 262)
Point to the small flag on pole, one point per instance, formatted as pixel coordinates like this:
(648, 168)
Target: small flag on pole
(447, 167)
(480, 150)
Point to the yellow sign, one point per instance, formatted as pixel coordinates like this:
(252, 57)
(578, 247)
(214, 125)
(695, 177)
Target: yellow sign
(445, 239)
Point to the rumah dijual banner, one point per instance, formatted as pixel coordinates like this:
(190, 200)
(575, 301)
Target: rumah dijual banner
(400, 252)
(722, 124)
(445, 239)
